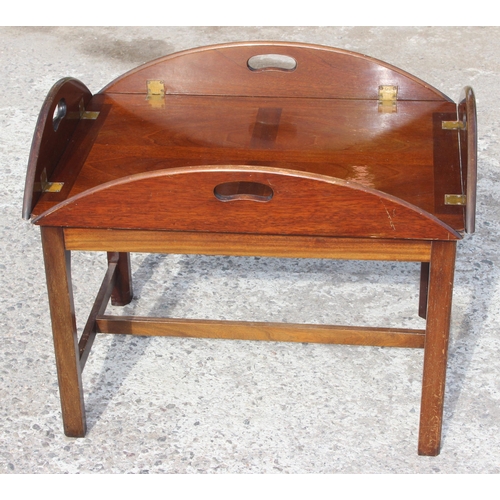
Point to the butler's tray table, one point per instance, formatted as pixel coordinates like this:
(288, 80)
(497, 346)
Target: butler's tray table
(270, 149)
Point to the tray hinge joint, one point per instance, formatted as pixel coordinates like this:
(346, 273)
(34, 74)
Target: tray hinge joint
(82, 113)
(455, 199)
(387, 98)
(45, 186)
(453, 125)
(156, 93)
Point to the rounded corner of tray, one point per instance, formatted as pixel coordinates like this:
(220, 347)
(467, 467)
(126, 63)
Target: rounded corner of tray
(60, 111)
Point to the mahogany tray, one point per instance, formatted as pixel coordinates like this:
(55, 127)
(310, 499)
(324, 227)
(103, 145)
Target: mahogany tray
(254, 148)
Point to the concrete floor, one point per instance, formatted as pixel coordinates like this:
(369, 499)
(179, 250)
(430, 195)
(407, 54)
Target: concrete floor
(163, 405)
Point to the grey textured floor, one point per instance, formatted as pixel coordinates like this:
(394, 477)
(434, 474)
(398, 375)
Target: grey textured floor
(199, 406)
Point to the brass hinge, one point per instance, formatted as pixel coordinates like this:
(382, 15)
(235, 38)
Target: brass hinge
(82, 114)
(156, 88)
(455, 199)
(387, 98)
(45, 186)
(156, 93)
(453, 125)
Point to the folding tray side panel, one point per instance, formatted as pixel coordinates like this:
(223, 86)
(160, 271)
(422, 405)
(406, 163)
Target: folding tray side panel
(468, 149)
(282, 69)
(251, 200)
(58, 118)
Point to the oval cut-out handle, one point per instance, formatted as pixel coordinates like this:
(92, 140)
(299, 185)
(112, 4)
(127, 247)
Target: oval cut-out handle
(59, 113)
(271, 62)
(242, 190)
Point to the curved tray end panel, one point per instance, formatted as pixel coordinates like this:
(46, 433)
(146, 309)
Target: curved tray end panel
(273, 69)
(251, 200)
(468, 148)
(61, 111)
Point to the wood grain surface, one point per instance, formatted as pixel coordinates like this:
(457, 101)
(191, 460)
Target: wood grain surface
(303, 204)
(321, 71)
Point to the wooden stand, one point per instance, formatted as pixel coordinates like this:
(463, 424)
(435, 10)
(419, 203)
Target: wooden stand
(285, 157)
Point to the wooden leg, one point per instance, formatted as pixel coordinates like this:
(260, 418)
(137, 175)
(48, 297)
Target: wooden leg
(122, 292)
(60, 293)
(424, 289)
(442, 268)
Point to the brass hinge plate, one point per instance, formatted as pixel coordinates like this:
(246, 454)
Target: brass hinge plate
(455, 199)
(156, 88)
(89, 115)
(156, 93)
(453, 125)
(45, 186)
(387, 98)
(82, 113)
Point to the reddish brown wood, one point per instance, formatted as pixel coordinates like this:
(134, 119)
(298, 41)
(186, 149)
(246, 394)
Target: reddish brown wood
(468, 142)
(424, 289)
(303, 204)
(321, 72)
(107, 287)
(186, 242)
(302, 161)
(122, 292)
(442, 268)
(350, 140)
(447, 169)
(48, 144)
(284, 332)
(58, 273)
(266, 128)
(75, 153)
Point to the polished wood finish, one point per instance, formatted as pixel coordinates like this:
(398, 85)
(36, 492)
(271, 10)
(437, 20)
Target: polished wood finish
(200, 243)
(322, 72)
(307, 160)
(284, 332)
(468, 139)
(405, 155)
(49, 144)
(442, 269)
(424, 289)
(62, 314)
(122, 292)
(108, 286)
(303, 204)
